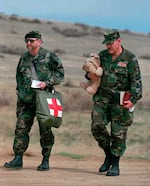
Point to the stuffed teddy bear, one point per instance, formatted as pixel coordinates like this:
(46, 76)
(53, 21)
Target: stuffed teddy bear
(94, 72)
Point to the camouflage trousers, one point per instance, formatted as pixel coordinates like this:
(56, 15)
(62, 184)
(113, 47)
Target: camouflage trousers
(119, 119)
(25, 118)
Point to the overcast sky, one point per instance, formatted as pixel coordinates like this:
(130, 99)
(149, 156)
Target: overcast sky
(121, 14)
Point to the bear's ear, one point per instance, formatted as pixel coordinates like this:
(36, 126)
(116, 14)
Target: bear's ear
(93, 55)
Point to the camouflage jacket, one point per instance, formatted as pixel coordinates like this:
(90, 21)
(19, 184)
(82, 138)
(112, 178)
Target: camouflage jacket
(48, 67)
(121, 74)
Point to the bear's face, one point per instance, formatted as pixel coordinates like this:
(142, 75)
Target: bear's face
(94, 58)
(89, 65)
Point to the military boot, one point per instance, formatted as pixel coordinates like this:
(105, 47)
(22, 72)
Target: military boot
(107, 162)
(16, 163)
(44, 166)
(114, 170)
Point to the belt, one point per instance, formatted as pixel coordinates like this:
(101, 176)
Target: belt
(113, 97)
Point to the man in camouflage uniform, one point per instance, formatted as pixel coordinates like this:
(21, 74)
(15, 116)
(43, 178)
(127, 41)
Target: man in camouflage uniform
(50, 72)
(121, 73)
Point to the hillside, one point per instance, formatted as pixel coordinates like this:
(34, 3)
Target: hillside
(73, 42)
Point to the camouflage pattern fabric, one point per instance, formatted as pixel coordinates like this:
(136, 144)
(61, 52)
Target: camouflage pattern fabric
(123, 74)
(50, 70)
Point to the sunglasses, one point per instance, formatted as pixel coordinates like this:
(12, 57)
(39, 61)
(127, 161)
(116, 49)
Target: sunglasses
(30, 40)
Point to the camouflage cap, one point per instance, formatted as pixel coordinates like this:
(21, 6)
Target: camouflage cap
(110, 36)
(33, 34)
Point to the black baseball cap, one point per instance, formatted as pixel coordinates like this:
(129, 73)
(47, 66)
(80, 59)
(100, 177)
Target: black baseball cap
(34, 34)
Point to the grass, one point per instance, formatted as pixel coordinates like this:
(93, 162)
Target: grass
(74, 137)
(71, 155)
(139, 135)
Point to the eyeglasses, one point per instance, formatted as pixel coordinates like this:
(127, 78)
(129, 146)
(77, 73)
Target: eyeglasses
(30, 40)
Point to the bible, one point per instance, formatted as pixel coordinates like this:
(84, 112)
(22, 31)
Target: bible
(125, 96)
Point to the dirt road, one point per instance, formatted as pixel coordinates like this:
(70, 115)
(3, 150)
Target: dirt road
(67, 172)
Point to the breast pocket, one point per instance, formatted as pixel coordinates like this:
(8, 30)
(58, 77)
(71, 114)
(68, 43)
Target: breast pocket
(41, 66)
(26, 71)
(121, 73)
(121, 70)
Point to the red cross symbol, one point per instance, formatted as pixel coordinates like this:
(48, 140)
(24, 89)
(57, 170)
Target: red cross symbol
(55, 107)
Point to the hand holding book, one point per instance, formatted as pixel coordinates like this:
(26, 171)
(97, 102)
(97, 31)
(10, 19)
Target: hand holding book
(125, 100)
(38, 84)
